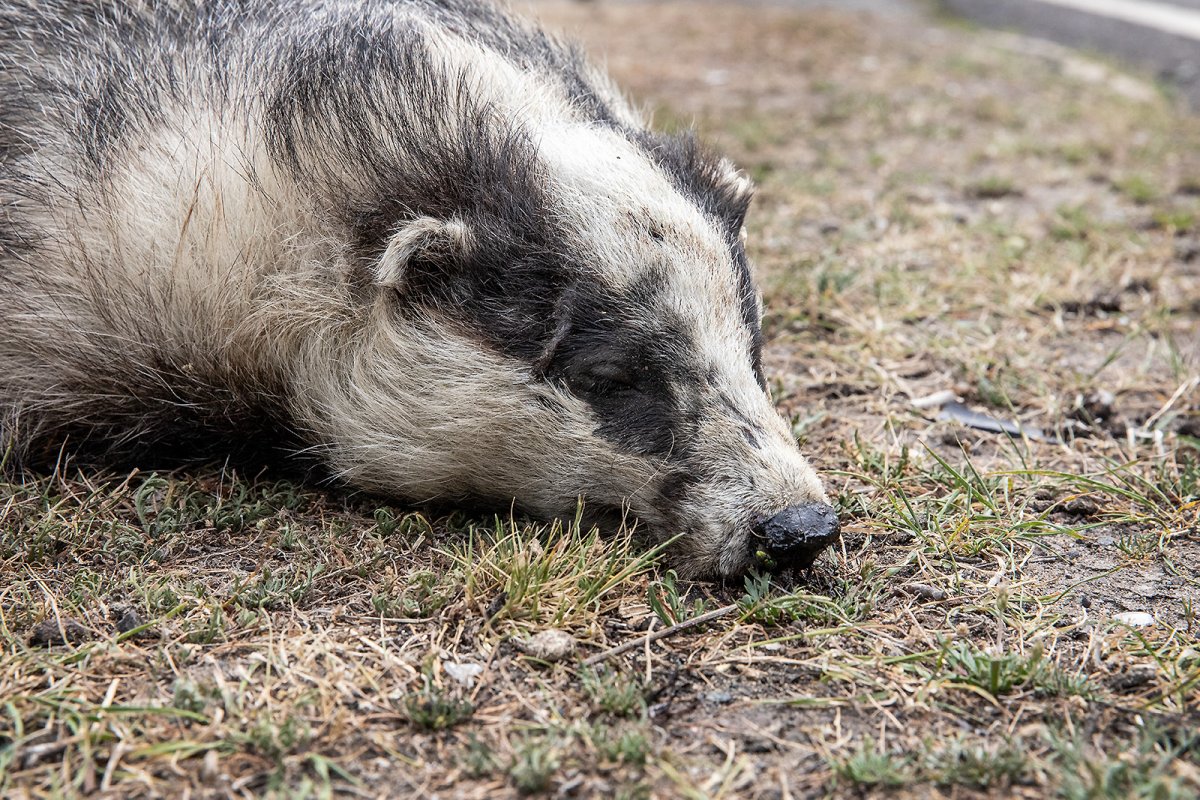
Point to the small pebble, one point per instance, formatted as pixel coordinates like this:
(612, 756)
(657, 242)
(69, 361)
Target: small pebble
(126, 619)
(53, 632)
(549, 645)
(927, 592)
(1080, 507)
(719, 698)
(1135, 619)
(758, 744)
(1136, 676)
(210, 767)
(464, 674)
(496, 605)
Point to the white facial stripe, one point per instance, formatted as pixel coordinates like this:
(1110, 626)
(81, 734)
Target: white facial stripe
(606, 186)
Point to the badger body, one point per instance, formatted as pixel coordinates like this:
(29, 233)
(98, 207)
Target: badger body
(418, 241)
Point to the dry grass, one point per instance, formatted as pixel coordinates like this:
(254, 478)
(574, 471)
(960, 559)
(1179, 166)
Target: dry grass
(940, 208)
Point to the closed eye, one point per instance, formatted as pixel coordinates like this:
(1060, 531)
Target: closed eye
(602, 377)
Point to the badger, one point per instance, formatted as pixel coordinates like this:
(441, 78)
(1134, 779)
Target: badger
(421, 243)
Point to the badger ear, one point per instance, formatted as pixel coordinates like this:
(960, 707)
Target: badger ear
(739, 183)
(739, 190)
(424, 240)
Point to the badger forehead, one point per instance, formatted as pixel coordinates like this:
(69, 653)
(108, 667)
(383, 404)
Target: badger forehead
(640, 230)
(603, 180)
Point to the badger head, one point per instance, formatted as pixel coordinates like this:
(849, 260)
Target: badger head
(586, 329)
(558, 311)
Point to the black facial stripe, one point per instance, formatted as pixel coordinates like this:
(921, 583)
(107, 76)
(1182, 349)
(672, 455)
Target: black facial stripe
(631, 360)
(749, 301)
(448, 153)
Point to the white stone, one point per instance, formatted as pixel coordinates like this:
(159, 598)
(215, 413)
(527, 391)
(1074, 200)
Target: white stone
(549, 645)
(464, 674)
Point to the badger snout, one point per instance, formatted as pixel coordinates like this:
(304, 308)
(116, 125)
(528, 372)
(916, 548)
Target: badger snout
(796, 535)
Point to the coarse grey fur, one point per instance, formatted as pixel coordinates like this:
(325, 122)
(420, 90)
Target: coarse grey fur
(417, 241)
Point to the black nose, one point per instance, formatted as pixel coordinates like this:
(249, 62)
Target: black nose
(798, 534)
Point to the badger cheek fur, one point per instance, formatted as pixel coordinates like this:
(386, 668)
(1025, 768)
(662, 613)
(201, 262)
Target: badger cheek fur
(424, 244)
(745, 471)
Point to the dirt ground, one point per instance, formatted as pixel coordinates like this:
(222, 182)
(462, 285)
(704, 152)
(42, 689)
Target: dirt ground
(940, 209)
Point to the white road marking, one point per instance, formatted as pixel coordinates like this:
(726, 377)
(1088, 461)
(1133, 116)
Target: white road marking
(1161, 16)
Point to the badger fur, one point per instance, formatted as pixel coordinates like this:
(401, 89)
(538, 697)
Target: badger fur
(419, 241)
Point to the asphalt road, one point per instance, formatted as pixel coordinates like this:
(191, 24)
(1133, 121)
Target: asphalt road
(1162, 37)
(1159, 36)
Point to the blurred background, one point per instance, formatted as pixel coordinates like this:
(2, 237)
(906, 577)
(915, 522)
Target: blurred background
(1163, 37)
